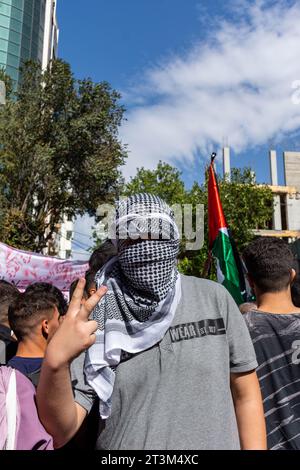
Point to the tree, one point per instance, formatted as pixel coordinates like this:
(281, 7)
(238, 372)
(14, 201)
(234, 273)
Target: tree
(165, 181)
(246, 205)
(59, 155)
(7, 81)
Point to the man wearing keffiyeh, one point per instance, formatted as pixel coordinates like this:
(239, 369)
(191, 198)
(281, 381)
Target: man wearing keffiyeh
(143, 290)
(168, 356)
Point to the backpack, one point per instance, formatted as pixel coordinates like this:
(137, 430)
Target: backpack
(8, 349)
(20, 427)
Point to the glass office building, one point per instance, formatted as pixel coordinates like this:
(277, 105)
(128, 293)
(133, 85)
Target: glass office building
(22, 33)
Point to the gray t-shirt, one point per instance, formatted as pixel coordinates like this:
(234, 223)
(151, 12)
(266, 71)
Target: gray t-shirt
(176, 395)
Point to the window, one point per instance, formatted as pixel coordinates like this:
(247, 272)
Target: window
(34, 51)
(69, 218)
(3, 57)
(3, 45)
(12, 72)
(16, 14)
(4, 9)
(28, 5)
(68, 254)
(69, 235)
(26, 43)
(25, 54)
(17, 4)
(16, 25)
(13, 49)
(27, 30)
(4, 33)
(15, 37)
(4, 21)
(27, 20)
(13, 61)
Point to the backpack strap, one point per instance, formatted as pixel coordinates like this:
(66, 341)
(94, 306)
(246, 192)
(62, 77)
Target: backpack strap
(2, 352)
(34, 376)
(11, 412)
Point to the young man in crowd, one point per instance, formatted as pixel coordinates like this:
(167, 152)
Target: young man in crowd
(102, 255)
(295, 290)
(34, 316)
(8, 343)
(275, 330)
(46, 288)
(169, 356)
(98, 259)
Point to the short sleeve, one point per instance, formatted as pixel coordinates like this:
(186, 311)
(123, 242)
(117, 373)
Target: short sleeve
(84, 395)
(242, 353)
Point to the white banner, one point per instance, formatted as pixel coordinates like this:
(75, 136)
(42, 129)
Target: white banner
(24, 267)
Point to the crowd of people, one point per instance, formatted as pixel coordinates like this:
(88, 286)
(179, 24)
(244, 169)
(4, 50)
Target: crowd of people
(143, 357)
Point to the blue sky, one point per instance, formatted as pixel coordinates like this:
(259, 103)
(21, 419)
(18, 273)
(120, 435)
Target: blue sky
(193, 74)
(116, 40)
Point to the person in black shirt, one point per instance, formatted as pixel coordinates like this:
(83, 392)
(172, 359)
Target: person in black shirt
(8, 344)
(275, 331)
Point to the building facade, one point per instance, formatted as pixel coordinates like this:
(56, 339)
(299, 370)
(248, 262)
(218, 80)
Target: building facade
(65, 237)
(28, 30)
(286, 213)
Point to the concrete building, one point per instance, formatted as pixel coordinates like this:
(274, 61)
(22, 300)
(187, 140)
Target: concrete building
(51, 33)
(28, 30)
(64, 238)
(286, 215)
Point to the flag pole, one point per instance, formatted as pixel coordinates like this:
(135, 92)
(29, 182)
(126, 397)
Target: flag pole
(209, 259)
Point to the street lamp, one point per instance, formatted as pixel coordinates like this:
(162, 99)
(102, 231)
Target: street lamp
(2, 93)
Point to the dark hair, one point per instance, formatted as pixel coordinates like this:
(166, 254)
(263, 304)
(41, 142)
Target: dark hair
(101, 255)
(28, 310)
(269, 262)
(8, 292)
(90, 281)
(47, 288)
(295, 289)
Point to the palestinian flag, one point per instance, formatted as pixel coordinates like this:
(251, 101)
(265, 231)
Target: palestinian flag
(221, 245)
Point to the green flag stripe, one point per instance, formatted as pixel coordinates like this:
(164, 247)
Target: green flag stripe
(222, 250)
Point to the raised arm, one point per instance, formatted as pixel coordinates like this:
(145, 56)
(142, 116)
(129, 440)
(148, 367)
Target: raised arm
(58, 411)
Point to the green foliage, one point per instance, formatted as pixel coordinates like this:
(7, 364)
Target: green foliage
(246, 206)
(8, 83)
(165, 181)
(60, 152)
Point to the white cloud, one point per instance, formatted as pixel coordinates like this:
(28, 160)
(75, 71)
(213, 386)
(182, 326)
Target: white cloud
(236, 85)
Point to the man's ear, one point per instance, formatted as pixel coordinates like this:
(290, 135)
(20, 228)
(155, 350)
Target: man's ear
(293, 275)
(45, 327)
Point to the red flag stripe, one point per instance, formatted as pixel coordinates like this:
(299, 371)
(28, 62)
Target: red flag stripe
(216, 217)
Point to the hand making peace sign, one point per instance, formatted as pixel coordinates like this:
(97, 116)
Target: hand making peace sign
(76, 333)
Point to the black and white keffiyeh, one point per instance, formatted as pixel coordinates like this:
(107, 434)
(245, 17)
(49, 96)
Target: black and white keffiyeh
(143, 290)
